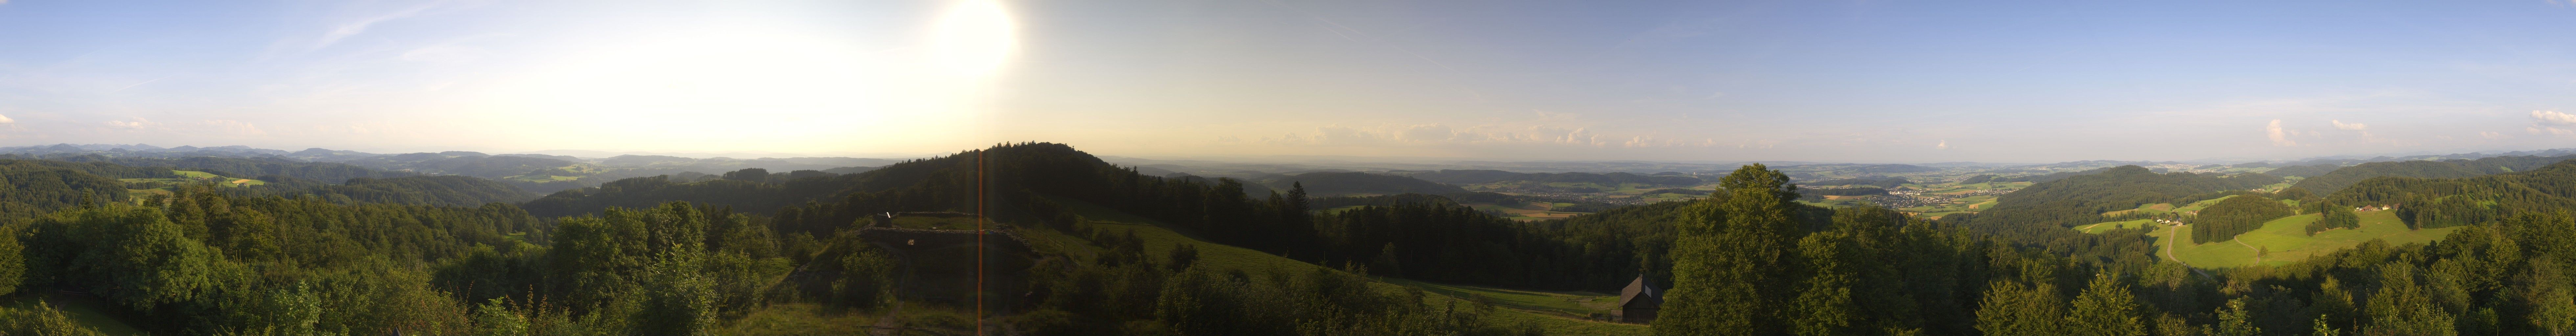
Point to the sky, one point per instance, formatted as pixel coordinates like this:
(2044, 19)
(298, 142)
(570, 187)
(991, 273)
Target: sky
(1836, 81)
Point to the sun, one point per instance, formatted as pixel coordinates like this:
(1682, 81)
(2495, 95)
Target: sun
(760, 86)
(974, 38)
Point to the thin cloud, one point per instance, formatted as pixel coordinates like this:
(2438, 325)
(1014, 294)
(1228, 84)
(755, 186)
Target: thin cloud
(136, 124)
(2553, 118)
(2339, 124)
(1945, 144)
(2279, 137)
(5, 119)
(353, 28)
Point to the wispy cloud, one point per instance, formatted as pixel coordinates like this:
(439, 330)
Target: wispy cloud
(1945, 144)
(2339, 124)
(135, 124)
(2553, 118)
(5, 119)
(354, 27)
(2549, 122)
(2279, 137)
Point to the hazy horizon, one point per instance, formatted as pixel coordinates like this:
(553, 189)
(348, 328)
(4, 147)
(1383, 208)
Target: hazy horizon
(1661, 81)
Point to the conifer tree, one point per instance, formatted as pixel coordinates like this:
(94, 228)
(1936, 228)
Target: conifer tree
(2012, 309)
(2105, 308)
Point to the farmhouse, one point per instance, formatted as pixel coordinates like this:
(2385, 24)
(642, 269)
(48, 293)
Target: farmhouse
(1638, 302)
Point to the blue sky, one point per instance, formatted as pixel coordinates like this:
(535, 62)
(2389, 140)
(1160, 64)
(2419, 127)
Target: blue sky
(1854, 81)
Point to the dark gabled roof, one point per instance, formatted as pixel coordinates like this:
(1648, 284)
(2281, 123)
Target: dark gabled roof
(1639, 291)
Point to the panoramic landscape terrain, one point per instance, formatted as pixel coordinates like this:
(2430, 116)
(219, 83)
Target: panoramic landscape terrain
(1255, 168)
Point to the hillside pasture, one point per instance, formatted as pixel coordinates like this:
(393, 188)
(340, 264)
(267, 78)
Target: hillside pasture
(1160, 240)
(2289, 242)
(2108, 226)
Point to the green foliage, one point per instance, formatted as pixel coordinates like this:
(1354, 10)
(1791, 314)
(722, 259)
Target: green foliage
(2338, 179)
(2347, 176)
(40, 319)
(140, 258)
(2081, 199)
(2233, 320)
(37, 187)
(1724, 279)
(2334, 217)
(494, 318)
(2447, 202)
(2234, 216)
(449, 190)
(13, 260)
(2013, 309)
(1344, 183)
(867, 278)
(2105, 308)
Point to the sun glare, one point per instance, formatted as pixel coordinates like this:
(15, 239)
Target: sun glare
(704, 86)
(974, 38)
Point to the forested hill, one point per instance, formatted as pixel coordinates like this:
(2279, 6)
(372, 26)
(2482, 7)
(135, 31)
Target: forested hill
(1475, 176)
(758, 195)
(449, 190)
(2338, 179)
(35, 187)
(47, 185)
(249, 167)
(2444, 202)
(1347, 183)
(2082, 199)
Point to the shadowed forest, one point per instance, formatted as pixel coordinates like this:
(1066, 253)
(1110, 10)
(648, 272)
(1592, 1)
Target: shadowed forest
(1072, 245)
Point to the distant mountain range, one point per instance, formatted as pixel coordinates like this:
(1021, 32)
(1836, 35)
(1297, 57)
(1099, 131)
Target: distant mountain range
(540, 173)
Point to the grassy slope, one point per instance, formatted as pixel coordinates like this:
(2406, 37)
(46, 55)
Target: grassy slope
(1159, 242)
(90, 311)
(2107, 226)
(2289, 242)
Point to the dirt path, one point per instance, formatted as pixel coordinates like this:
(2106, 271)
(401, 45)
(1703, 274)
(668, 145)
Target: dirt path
(2169, 243)
(2258, 252)
(888, 326)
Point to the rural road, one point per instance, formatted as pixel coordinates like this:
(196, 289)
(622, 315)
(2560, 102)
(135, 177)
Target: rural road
(2169, 243)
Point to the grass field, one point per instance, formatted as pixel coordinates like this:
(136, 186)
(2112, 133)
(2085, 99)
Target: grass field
(2288, 241)
(943, 223)
(1528, 212)
(1160, 240)
(186, 177)
(799, 319)
(2108, 226)
(1566, 304)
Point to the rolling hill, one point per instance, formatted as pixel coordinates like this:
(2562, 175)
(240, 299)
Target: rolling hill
(1356, 183)
(2338, 179)
(1477, 176)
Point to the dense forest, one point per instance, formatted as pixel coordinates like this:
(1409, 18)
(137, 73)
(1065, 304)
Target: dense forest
(2236, 215)
(2081, 199)
(2337, 179)
(703, 254)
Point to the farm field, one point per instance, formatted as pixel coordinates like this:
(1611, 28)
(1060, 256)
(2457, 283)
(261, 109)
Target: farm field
(186, 177)
(1532, 211)
(2288, 242)
(2108, 226)
(1567, 304)
(1160, 240)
